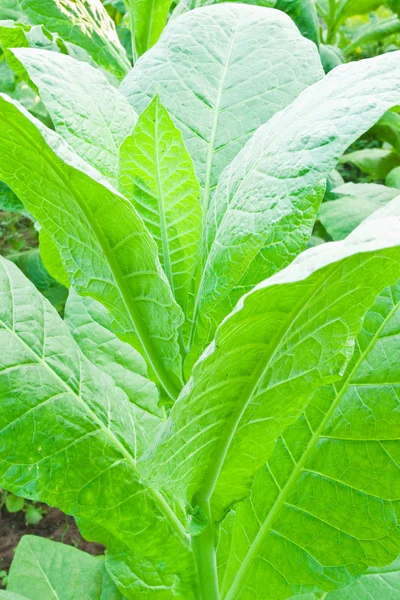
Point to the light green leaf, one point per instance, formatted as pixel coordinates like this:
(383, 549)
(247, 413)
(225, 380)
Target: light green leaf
(51, 259)
(14, 504)
(221, 71)
(291, 334)
(263, 208)
(46, 570)
(89, 113)
(157, 176)
(331, 57)
(10, 596)
(68, 438)
(106, 250)
(376, 162)
(326, 505)
(354, 202)
(147, 20)
(349, 8)
(92, 329)
(84, 23)
(393, 178)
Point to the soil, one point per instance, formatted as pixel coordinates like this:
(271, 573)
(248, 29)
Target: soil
(55, 525)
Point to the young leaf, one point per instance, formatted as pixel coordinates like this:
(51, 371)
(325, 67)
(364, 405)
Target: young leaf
(263, 211)
(326, 505)
(147, 20)
(157, 176)
(84, 23)
(64, 443)
(221, 71)
(106, 249)
(89, 113)
(288, 336)
(354, 202)
(46, 570)
(92, 329)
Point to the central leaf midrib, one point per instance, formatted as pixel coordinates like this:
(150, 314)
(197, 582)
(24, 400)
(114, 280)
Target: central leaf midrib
(275, 509)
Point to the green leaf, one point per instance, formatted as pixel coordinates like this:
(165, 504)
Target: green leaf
(106, 249)
(10, 596)
(304, 14)
(331, 57)
(33, 515)
(14, 504)
(9, 201)
(84, 23)
(147, 20)
(68, 438)
(374, 31)
(92, 329)
(387, 129)
(264, 206)
(32, 266)
(89, 113)
(157, 176)
(354, 202)
(349, 8)
(46, 570)
(376, 162)
(326, 505)
(291, 334)
(221, 71)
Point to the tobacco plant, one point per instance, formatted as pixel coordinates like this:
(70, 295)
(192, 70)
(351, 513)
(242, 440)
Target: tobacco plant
(219, 406)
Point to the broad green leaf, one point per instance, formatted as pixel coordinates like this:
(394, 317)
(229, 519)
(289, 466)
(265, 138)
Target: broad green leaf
(32, 266)
(291, 334)
(326, 507)
(354, 202)
(221, 71)
(393, 178)
(147, 20)
(89, 113)
(68, 437)
(92, 329)
(376, 162)
(157, 176)
(10, 596)
(387, 129)
(185, 5)
(46, 570)
(303, 14)
(264, 208)
(106, 249)
(84, 23)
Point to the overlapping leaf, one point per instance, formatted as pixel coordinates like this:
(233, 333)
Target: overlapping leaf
(89, 113)
(157, 176)
(326, 505)
(263, 210)
(46, 570)
(64, 443)
(288, 336)
(221, 71)
(106, 250)
(84, 23)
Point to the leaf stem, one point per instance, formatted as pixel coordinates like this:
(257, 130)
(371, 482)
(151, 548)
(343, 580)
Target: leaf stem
(203, 546)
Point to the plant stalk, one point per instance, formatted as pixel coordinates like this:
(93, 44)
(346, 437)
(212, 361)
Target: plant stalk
(203, 546)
